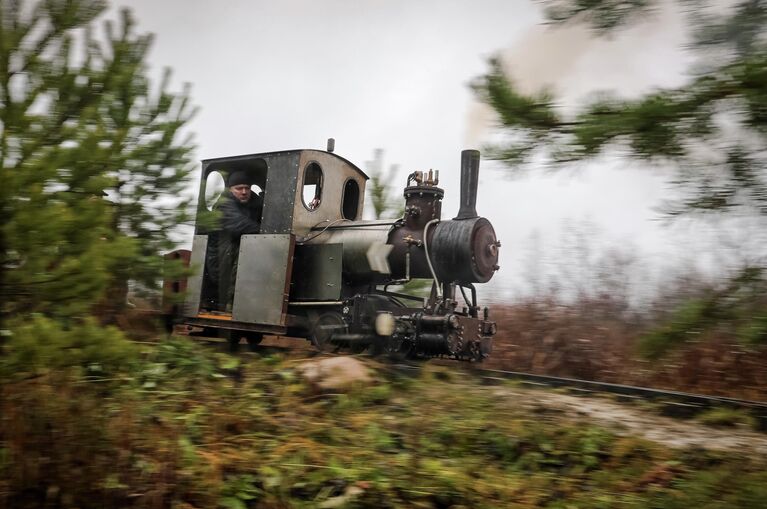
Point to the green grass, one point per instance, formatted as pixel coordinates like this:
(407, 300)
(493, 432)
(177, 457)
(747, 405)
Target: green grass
(727, 418)
(185, 426)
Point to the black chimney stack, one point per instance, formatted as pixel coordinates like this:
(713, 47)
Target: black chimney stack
(469, 181)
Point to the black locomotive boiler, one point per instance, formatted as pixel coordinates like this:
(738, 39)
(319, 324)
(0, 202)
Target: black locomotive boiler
(317, 270)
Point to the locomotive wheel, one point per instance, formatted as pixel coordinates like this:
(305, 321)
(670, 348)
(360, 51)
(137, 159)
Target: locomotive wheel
(232, 338)
(397, 349)
(324, 327)
(254, 339)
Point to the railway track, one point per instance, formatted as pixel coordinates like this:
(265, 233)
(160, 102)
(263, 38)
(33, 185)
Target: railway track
(671, 403)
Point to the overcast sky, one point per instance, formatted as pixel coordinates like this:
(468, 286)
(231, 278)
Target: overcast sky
(394, 74)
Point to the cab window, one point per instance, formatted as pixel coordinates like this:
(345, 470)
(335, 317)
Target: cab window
(214, 186)
(351, 199)
(311, 191)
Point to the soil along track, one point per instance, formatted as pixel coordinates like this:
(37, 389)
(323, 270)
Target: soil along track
(630, 420)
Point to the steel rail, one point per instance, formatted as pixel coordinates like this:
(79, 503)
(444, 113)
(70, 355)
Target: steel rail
(622, 389)
(673, 403)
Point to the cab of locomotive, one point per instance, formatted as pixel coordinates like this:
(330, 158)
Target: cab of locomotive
(300, 190)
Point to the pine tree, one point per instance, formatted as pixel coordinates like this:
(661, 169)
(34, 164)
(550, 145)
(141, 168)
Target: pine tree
(146, 161)
(91, 162)
(712, 130)
(668, 125)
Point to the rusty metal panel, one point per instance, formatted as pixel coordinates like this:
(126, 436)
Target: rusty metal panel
(279, 193)
(194, 282)
(263, 278)
(172, 288)
(317, 272)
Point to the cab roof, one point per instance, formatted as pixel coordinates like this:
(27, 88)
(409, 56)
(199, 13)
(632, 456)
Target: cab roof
(229, 160)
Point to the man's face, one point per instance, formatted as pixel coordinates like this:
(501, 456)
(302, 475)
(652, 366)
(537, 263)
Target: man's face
(241, 192)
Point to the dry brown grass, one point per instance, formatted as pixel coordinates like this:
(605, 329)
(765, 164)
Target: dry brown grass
(596, 340)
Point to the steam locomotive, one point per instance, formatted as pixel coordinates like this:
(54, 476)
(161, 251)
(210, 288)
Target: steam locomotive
(317, 270)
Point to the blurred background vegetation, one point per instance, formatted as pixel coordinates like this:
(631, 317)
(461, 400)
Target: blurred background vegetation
(711, 133)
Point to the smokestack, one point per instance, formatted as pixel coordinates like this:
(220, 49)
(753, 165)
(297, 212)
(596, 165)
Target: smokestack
(469, 181)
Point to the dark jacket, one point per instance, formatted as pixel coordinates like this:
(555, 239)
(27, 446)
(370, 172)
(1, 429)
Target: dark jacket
(240, 218)
(236, 219)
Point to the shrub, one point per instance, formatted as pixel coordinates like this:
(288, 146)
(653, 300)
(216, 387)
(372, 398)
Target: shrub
(39, 345)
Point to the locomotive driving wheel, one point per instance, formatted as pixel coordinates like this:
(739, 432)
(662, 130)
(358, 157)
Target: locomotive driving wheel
(397, 348)
(323, 328)
(232, 338)
(254, 339)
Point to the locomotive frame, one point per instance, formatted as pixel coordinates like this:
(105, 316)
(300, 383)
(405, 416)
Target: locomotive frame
(317, 270)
